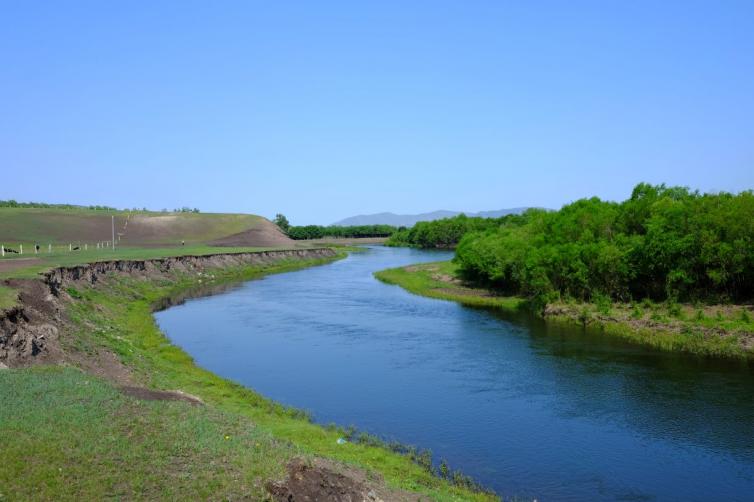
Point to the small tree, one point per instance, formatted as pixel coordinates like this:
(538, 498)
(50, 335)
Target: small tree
(282, 222)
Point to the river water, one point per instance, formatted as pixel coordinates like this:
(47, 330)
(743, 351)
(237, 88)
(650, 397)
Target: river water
(526, 408)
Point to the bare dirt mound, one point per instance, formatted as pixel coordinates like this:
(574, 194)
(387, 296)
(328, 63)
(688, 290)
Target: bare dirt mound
(159, 395)
(323, 480)
(264, 234)
(29, 333)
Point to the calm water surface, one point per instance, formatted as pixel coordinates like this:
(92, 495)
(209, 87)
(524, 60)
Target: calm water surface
(528, 409)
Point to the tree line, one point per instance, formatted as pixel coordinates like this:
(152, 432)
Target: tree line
(444, 233)
(663, 243)
(320, 231)
(44, 205)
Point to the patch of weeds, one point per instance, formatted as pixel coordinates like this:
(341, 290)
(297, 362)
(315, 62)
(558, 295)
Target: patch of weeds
(585, 315)
(421, 457)
(674, 309)
(700, 315)
(745, 317)
(74, 293)
(657, 316)
(637, 312)
(603, 302)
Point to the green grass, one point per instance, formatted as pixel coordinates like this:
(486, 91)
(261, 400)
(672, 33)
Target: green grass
(117, 315)
(429, 279)
(70, 436)
(7, 297)
(674, 327)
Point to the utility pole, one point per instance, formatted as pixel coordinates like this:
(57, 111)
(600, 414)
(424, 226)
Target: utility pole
(113, 221)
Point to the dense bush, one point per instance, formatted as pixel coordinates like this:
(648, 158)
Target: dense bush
(662, 243)
(318, 232)
(444, 233)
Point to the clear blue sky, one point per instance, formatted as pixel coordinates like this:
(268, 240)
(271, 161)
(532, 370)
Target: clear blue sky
(323, 110)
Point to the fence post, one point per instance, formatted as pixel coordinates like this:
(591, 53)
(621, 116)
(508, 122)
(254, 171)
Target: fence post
(2, 250)
(49, 248)
(86, 247)
(70, 247)
(21, 247)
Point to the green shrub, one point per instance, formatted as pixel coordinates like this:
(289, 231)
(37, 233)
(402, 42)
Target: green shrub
(74, 293)
(585, 315)
(674, 309)
(604, 305)
(637, 312)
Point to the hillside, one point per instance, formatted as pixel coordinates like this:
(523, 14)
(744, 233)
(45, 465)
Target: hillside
(409, 220)
(45, 226)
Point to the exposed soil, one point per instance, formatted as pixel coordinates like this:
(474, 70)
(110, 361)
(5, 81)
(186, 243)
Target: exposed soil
(30, 331)
(160, 395)
(265, 234)
(325, 481)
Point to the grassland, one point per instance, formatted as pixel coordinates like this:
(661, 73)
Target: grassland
(98, 444)
(79, 226)
(439, 280)
(70, 436)
(711, 330)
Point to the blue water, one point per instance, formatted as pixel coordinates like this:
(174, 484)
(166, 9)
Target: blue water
(526, 408)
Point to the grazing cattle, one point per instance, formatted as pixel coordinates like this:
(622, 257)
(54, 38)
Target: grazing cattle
(76, 248)
(9, 250)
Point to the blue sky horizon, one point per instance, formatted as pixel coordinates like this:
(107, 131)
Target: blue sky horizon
(327, 110)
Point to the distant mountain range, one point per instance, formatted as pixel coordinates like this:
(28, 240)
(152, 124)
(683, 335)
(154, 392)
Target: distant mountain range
(409, 220)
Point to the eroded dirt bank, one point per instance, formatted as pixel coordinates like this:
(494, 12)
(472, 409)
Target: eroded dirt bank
(30, 332)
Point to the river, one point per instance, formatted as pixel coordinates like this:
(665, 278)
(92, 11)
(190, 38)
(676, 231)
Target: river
(526, 408)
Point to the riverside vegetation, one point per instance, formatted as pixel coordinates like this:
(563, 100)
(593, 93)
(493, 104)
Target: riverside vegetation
(308, 232)
(667, 259)
(89, 440)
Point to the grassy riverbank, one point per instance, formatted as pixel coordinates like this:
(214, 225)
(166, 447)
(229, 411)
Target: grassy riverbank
(30, 266)
(713, 330)
(75, 436)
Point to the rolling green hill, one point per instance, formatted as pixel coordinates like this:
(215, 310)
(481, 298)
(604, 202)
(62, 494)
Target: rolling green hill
(56, 226)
